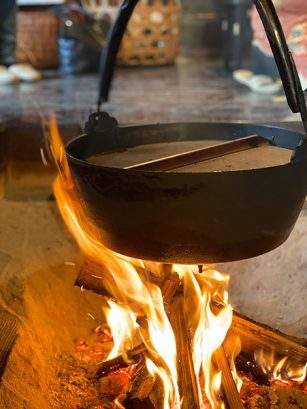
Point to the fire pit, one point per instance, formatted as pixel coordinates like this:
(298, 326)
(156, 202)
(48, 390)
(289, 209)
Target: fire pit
(58, 352)
(176, 339)
(171, 338)
(60, 346)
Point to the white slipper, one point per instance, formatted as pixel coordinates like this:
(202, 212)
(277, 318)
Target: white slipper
(262, 84)
(25, 72)
(303, 82)
(7, 77)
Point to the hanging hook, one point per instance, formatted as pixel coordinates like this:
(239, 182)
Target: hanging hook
(109, 54)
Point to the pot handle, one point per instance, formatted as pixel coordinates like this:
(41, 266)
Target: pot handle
(275, 34)
(283, 57)
(109, 53)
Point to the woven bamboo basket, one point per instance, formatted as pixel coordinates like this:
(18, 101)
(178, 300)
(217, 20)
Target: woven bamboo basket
(37, 38)
(152, 36)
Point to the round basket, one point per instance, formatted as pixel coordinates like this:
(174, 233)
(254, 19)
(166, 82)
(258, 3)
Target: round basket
(37, 38)
(152, 36)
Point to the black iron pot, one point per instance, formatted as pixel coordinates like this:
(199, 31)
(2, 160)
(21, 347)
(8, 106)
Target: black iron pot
(194, 217)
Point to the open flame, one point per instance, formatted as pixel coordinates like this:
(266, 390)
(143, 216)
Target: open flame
(280, 369)
(208, 312)
(210, 317)
(123, 325)
(134, 296)
(139, 315)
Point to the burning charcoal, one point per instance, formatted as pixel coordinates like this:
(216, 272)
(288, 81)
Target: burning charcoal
(246, 363)
(114, 384)
(119, 363)
(94, 352)
(104, 333)
(81, 346)
(97, 354)
(142, 383)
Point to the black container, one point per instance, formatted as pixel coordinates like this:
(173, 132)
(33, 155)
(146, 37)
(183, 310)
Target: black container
(193, 217)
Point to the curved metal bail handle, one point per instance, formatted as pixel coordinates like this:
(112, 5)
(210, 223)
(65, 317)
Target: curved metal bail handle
(283, 57)
(109, 54)
(275, 34)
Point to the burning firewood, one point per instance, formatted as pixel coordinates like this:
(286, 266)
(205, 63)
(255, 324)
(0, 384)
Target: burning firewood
(170, 287)
(92, 276)
(230, 389)
(146, 391)
(284, 345)
(181, 331)
(142, 383)
(115, 364)
(186, 375)
(254, 335)
(114, 385)
(251, 333)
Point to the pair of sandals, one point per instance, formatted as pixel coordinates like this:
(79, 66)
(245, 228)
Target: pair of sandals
(18, 72)
(262, 84)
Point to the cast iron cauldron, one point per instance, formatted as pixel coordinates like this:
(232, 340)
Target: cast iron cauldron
(193, 217)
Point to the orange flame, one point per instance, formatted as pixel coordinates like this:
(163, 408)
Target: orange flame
(124, 283)
(280, 370)
(123, 325)
(203, 292)
(135, 297)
